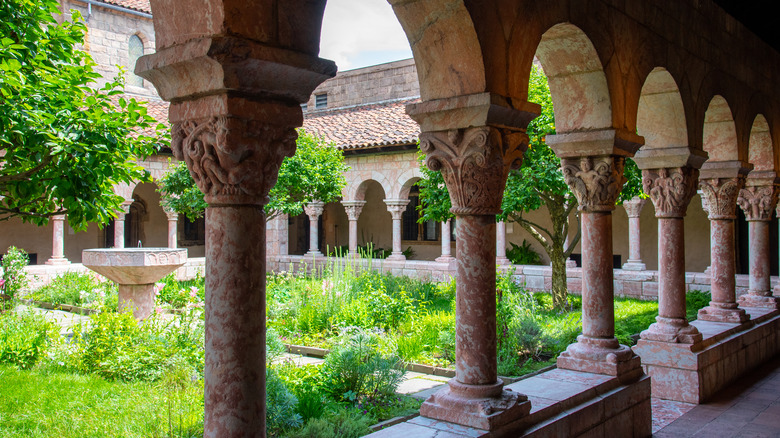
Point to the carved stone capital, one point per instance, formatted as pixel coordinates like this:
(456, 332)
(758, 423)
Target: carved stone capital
(670, 189)
(396, 207)
(758, 201)
(475, 163)
(634, 206)
(595, 181)
(314, 209)
(719, 196)
(353, 209)
(124, 209)
(233, 160)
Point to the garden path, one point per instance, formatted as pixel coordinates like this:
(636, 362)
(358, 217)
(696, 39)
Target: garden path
(66, 320)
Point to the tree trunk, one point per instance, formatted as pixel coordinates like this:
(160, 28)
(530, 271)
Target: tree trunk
(559, 287)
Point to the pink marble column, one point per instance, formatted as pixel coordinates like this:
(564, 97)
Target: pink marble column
(314, 210)
(501, 244)
(634, 209)
(353, 209)
(119, 224)
(397, 207)
(596, 182)
(475, 163)
(671, 190)
(58, 241)
(757, 200)
(720, 196)
(446, 250)
(173, 228)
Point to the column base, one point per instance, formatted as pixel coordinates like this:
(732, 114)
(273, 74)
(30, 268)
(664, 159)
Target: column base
(314, 254)
(57, 261)
(672, 330)
(634, 265)
(723, 312)
(444, 259)
(601, 356)
(753, 299)
(398, 257)
(485, 407)
(503, 261)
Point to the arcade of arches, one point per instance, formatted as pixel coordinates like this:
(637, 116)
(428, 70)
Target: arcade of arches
(678, 85)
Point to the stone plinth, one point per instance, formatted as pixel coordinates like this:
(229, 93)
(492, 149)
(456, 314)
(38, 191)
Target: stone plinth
(693, 372)
(564, 403)
(135, 270)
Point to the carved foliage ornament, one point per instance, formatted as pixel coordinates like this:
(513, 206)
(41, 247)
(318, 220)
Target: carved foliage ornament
(475, 163)
(595, 181)
(634, 206)
(314, 209)
(353, 209)
(757, 202)
(670, 189)
(232, 160)
(719, 195)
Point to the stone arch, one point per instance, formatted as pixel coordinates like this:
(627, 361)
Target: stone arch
(760, 149)
(356, 189)
(125, 190)
(719, 137)
(661, 114)
(578, 85)
(405, 182)
(151, 221)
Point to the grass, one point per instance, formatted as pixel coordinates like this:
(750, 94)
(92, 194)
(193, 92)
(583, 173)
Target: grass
(40, 404)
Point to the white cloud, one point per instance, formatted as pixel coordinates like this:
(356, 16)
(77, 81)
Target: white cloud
(357, 33)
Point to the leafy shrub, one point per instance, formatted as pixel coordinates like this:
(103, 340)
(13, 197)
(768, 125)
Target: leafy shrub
(274, 347)
(14, 278)
(280, 404)
(24, 338)
(342, 424)
(356, 370)
(179, 294)
(523, 254)
(78, 289)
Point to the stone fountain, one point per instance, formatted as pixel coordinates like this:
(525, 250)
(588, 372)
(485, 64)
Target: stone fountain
(135, 270)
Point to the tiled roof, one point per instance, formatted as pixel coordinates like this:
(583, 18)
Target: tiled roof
(380, 124)
(136, 5)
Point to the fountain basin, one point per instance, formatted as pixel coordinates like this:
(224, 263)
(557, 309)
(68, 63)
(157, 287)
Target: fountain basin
(135, 270)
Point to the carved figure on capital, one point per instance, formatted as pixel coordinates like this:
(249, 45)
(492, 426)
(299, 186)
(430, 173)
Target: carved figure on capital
(757, 202)
(595, 181)
(475, 163)
(719, 195)
(670, 189)
(233, 160)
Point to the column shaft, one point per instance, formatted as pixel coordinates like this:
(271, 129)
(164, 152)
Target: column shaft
(759, 258)
(671, 269)
(173, 224)
(633, 238)
(58, 241)
(314, 242)
(235, 321)
(501, 244)
(119, 231)
(446, 251)
(598, 310)
(353, 226)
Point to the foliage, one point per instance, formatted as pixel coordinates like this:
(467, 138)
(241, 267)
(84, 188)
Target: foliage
(180, 294)
(78, 289)
(314, 173)
(435, 203)
(346, 423)
(280, 406)
(24, 338)
(63, 143)
(274, 347)
(523, 254)
(41, 403)
(14, 278)
(355, 370)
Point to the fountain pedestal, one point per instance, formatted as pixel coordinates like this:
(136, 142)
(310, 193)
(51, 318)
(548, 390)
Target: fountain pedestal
(135, 270)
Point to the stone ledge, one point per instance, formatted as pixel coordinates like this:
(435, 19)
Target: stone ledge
(563, 403)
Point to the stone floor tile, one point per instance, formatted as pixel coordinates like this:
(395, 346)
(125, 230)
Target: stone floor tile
(666, 411)
(409, 430)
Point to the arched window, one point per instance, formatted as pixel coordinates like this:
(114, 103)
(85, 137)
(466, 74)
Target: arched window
(135, 49)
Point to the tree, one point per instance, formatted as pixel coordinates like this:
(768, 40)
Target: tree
(315, 172)
(538, 182)
(63, 143)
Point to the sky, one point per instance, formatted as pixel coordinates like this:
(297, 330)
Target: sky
(359, 33)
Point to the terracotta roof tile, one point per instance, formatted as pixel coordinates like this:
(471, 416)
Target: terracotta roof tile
(380, 124)
(136, 5)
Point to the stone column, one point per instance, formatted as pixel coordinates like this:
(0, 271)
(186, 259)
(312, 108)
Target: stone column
(353, 209)
(757, 200)
(234, 120)
(633, 209)
(119, 224)
(396, 207)
(475, 162)
(671, 190)
(596, 182)
(720, 185)
(314, 210)
(173, 228)
(501, 244)
(58, 241)
(446, 250)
